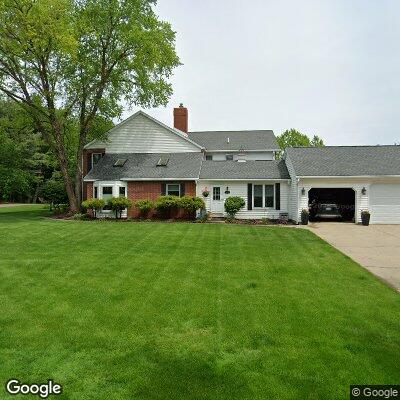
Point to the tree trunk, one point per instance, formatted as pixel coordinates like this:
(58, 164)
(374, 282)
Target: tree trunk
(79, 172)
(62, 159)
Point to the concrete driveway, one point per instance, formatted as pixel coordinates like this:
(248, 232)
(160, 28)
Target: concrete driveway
(375, 247)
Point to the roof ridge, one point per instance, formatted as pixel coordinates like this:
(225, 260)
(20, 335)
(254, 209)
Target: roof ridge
(236, 130)
(340, 146)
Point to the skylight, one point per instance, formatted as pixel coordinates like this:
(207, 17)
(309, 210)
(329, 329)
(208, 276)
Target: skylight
(120, 162)
(162, 162)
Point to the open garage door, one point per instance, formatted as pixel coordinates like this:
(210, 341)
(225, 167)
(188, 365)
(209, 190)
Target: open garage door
(334, 204)
(384, 203)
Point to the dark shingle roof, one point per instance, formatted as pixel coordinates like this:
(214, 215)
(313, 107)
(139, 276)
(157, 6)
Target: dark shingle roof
(345, 160)
(273, 169)
(248, 140)
(144, 166)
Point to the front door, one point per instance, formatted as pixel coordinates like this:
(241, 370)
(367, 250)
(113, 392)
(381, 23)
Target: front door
(217, 203)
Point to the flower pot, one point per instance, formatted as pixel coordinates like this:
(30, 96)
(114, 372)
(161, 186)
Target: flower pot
(365, 219)
(304, 219)
(205, 194)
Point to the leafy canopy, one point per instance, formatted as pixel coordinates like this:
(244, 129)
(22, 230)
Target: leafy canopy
(294, 138)
(79, 59)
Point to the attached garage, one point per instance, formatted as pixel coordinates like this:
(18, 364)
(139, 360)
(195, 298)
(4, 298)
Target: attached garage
(384, 203)
(332, 204)
(364, 177)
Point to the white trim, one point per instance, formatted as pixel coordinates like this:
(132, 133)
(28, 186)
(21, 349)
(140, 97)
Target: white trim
(249, 180)
(347, 176)
(238, 150)
(140, 112)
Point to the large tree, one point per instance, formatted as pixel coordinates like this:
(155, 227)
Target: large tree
(294, 138)
(63, 59)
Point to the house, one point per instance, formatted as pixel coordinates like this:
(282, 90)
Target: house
(143, 158)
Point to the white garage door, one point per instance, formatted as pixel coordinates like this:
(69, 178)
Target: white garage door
(385, 203)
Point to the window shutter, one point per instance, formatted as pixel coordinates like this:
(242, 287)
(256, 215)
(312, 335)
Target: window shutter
(182, 191)
(277, 196)
(89, 161)
(163, 189)
(249, 196)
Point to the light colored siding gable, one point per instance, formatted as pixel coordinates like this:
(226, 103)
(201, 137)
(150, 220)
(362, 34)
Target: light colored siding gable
(140, 134)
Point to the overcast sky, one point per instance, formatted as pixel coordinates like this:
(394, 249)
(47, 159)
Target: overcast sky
(330, 68)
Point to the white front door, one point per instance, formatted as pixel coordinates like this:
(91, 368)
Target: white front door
(217, 203)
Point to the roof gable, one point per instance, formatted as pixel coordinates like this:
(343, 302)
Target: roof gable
(141, 133)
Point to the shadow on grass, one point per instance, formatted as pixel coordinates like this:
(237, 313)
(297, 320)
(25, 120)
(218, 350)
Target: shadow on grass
(24, 213)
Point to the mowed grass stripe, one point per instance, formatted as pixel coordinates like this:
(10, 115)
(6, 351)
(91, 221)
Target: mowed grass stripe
(187, 311)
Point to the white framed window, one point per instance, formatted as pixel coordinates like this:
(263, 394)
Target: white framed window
(229, 157)
(269, 196)
(96, 192)
(122, 191)
(263, 196)
(209, 157)
(173, 189)
(258, 196)
(96, 157)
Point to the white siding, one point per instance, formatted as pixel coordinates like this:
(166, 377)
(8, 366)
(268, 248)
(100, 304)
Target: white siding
(361, 200)
(258, 156)
(140, 134)
(293, 192)
(385, 203)
(240, 189)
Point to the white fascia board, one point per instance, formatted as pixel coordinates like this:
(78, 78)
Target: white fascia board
(349, 176)
(244, 179)
(157, 179)
(237, 150)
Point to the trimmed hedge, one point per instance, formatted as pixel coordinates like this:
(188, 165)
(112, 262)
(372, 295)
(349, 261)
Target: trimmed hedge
(233, 205)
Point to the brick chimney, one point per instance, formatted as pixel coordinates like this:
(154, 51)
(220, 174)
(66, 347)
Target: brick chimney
(181, 118)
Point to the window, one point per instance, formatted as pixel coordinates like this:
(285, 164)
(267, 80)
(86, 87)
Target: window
(122, 191)
(258, 196)
(208, 157)
(216, 193)
(107, 192)
(269, 195)
(229, 157)
(162, 162)
(173, 189)
(96, 157)
(96, 190)
(120, 162)
(107, 195)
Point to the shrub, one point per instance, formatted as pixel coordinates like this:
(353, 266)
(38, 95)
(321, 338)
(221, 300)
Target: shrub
(93, 204)
(191, 204)
(54, 192)
(233, 205)
(144, 206)
(118, 204)
(80, 216)
(165, 204)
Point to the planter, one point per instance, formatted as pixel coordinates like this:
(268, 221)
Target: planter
(304, 216)
(365, 217)
(304, 219)
(205, 194)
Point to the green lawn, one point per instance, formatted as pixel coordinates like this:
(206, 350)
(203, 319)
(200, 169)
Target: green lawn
(188, 311)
